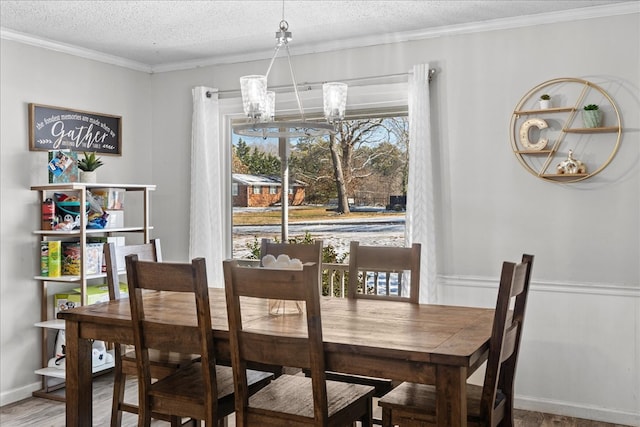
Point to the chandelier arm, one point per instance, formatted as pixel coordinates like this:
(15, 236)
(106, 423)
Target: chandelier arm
(295, 85)
(273, 58)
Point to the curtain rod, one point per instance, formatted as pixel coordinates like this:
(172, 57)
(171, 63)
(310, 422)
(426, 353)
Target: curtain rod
(309, 86)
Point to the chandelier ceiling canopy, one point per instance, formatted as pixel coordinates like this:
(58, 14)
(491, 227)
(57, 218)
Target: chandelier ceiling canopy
(259, 103)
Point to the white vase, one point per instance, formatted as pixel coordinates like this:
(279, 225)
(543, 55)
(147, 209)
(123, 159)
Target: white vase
(545, 103)
(88, 176)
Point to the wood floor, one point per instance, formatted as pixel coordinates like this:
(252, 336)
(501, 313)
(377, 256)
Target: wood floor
(37, 412)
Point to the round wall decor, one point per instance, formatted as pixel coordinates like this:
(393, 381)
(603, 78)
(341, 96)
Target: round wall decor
(547, 137)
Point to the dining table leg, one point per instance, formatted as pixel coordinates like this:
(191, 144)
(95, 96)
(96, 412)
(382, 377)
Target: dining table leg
(78, 380)
(451, 395)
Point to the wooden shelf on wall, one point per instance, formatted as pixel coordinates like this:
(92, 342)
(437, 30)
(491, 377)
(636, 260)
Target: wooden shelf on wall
(607, 129)
(560, 125)
(564, 175)
(545, 110)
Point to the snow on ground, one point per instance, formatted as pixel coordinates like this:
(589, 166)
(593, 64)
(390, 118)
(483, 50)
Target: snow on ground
(337, 233)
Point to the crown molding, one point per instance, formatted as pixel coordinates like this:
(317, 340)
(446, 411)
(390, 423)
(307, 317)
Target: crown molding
(381, 39)
(303, 49)
(81, 52)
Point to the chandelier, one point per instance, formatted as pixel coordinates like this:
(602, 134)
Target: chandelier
(259, 103)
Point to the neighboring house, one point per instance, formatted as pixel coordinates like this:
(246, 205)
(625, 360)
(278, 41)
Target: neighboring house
(261, 190)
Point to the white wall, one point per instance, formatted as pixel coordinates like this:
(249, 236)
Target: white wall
(581, 349)
(30, 74)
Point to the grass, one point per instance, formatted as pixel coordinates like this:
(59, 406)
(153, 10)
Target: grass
(261, 216)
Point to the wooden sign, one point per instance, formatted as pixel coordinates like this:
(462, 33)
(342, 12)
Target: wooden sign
(55, 128)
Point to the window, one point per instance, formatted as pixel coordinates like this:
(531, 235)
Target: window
(234, 189)
(385, 98)
(256, 189)
(374, 186)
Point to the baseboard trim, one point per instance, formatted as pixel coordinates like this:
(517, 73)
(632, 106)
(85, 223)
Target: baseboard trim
(21, 393)
(577, 411)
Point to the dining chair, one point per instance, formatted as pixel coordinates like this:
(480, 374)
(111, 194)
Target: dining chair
(291, 400)
(305, 252)
(384, 272)
(201, 390)
(162, 363)
(492, 403)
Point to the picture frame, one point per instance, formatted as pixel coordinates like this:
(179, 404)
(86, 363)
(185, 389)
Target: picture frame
(59, 128)
(63, 166)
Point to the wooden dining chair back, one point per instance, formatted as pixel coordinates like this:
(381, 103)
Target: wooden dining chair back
(114, 256)
(162, 363)
(292, 400)
(202, 390)
(492, 403)
(305, 252)
(498, 390)
(384, 272)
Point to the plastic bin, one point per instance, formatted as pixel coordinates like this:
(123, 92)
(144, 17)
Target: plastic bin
(71, 258)
(109, 198)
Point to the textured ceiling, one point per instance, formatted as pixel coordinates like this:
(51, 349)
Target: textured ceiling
(160, 33)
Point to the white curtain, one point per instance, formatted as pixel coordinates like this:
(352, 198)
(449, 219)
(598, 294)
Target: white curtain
(207, 192)
(420, 224)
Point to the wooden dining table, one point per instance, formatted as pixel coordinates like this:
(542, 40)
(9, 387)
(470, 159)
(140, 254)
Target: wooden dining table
(424, 343)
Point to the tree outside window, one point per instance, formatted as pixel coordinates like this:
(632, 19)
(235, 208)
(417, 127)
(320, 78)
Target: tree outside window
(361, 172)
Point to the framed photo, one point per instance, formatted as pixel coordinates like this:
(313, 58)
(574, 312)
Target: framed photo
(63, 166)
(56, 128)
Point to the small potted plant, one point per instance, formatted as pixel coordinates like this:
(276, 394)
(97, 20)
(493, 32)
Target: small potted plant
(591, 116)
(88, 167)
(545, 101)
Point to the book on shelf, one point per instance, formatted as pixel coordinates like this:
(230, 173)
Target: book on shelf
(55, 261)
(44, 258)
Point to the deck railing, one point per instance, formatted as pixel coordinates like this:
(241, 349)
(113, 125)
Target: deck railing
(334, 279)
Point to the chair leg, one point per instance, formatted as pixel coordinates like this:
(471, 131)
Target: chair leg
(507, 420)
(144, 413)
(119, 380)
(367, 419)
(386, 417)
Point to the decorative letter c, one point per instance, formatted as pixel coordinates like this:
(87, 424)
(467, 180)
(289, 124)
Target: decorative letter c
(524, 134)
